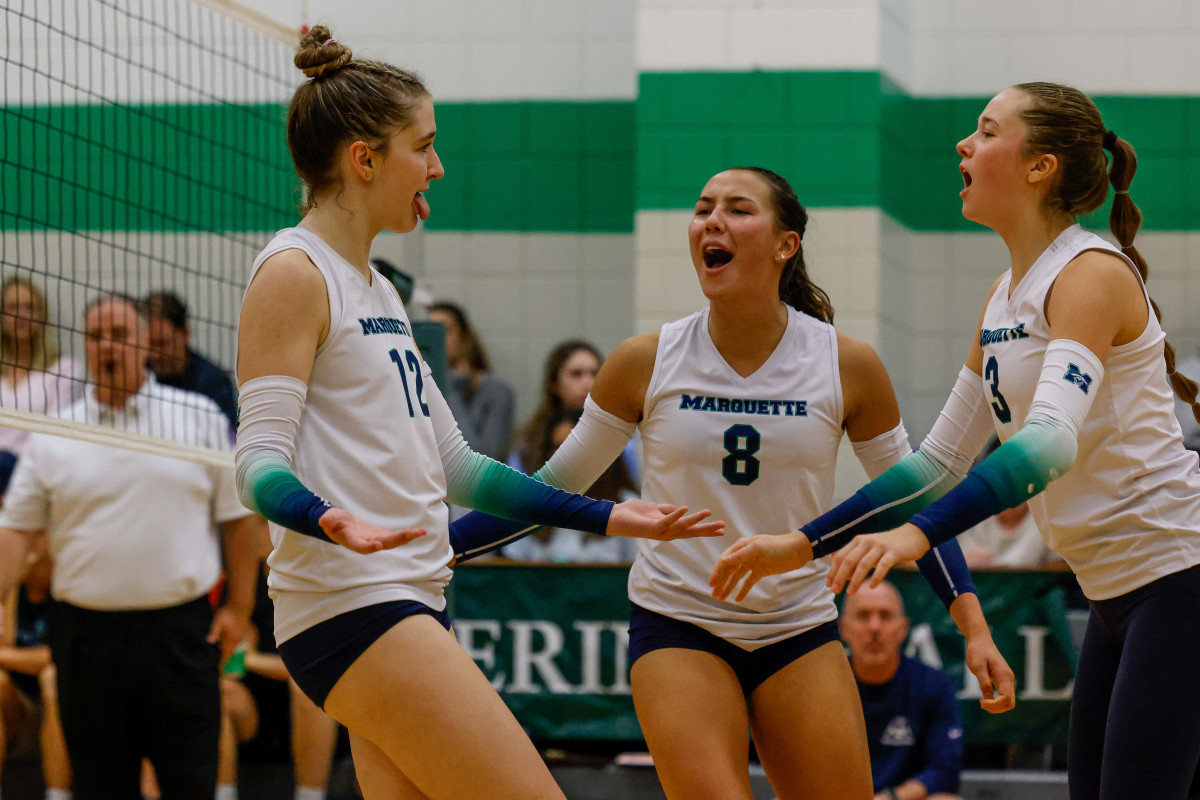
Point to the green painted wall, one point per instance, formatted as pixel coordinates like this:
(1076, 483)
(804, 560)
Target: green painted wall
(535, 166)
(150, 168)
(856, 139)
(842, 138)
(522, 166)
(818, 129)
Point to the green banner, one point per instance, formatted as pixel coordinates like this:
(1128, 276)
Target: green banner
(553, 640)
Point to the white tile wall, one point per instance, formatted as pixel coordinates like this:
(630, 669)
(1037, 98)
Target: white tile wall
(490, 49)
(527, 292)
(1101, 46)
(751, 34)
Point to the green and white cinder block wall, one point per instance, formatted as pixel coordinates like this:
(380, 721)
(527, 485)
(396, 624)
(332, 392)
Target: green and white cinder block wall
(577, 135)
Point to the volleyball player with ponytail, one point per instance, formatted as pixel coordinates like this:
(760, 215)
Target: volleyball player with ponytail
(335, 398)
(741, 408)
(1068, 367)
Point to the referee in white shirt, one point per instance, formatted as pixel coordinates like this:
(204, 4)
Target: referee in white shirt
(137, 551)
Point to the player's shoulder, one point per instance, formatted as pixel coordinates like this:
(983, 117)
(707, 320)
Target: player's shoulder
(858, 358)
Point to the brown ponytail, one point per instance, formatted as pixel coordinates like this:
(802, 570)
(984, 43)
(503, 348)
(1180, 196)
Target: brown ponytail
(1065, 122)
(796, 288)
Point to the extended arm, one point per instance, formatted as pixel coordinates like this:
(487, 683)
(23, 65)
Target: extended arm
(502, 493)
(1096, 303)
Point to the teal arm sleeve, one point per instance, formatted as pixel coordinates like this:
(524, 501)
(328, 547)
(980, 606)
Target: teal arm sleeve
(1020, 468)
(476, 481)
(270, 409)
(884, 503)
(267, 486)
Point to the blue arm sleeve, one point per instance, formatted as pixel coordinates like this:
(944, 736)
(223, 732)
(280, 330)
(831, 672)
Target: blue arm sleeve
(478, 482)
(267, 486)
(884, 503)
(889, 501)
(943, 743)
(1019, 469)
(477, 533)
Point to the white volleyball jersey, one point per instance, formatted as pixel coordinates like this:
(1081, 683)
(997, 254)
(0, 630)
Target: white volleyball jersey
(760, 453)
(1128, 510)
(365, 444)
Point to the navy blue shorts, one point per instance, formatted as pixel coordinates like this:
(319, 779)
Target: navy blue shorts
(649, 631)
(317, 658)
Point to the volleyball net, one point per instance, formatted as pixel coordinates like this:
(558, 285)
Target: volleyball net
(142, 152)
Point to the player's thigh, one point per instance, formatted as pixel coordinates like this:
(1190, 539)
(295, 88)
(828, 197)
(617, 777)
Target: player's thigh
(378, 777)
(809, 731)
(419, 697)
(693, 714)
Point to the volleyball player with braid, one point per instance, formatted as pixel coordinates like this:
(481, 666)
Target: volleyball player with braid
(1067, 366)
(741, 408)
(336, 399)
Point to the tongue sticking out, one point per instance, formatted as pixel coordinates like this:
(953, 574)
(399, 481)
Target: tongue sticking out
(421, 205)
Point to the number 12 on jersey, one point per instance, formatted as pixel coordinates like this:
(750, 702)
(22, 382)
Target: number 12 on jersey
(413, 364)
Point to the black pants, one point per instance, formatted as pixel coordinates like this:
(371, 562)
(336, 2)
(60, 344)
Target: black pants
(1135, 712)
(134, 685)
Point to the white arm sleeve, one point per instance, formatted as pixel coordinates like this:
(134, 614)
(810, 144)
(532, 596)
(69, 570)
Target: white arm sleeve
(594, 444)
(884, 451)
(963, 426)
(1067, 386)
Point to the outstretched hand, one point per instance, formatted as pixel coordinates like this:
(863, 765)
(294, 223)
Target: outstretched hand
(874, 551)
(750, 560)
(996, 679)
(643, 519)
(361, 536)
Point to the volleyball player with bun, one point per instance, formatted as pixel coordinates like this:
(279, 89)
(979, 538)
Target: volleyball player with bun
(336, 399)
(741, 408)
(1067, 366)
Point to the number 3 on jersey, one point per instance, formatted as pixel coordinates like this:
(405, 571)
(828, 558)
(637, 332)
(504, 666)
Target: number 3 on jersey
(992, 373)
(410, 360)
(740, 467)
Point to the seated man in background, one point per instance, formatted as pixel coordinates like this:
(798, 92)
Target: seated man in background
(910, 708)
(175, 363)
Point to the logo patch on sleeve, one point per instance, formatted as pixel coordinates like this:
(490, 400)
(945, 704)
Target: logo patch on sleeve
(1078, 377)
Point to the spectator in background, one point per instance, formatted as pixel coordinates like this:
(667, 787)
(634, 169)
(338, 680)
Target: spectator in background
(29, 721)
(910, 708)
(33, 375)
(565, 546)
(176, 364)
(481, 402)
(570, 371)
(1009, 539)
(137, 551)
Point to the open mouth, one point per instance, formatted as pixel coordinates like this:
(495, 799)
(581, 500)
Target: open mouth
(715, 257)
(966, 178)
(421, 205)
